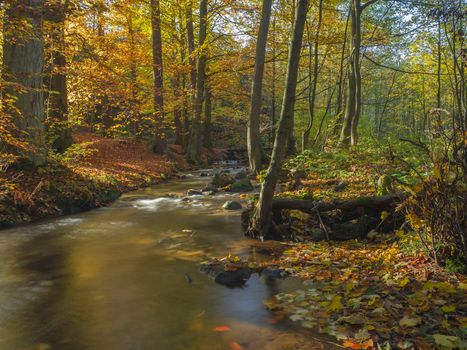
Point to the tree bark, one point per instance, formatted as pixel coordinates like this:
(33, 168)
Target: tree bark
(23, 63)
(193, 153)
(253, 132)
(261, 223)
(314, 82)
(339, 115)
(191, 44)
(207, 116)
(59, 132)
(159, 143)
(310, 207)
(349, 135)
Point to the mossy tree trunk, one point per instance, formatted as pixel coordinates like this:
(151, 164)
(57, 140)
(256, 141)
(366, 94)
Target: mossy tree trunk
(23, 63)
(59, 131)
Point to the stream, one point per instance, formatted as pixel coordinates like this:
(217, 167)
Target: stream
(127, 277)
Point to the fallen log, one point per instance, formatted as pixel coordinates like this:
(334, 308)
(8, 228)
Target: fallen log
(374, 203)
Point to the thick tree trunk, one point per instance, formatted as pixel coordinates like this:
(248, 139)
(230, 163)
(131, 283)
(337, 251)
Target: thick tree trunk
(57, 97)
(253, 137)
(261, 222)
(158, 144)
(23, 62)
(193, 153)
(314, 82)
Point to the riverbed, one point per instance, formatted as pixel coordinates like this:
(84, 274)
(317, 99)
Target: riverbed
(127, 277)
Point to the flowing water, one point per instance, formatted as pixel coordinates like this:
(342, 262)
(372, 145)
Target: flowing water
(126, 277)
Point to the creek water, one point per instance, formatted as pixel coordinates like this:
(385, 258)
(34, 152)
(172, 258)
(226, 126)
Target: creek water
(126, 277)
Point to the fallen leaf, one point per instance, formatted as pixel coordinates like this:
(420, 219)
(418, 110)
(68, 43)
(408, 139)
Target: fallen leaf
(236, 346)
(221, 329)
(408, 321)
(446, 341)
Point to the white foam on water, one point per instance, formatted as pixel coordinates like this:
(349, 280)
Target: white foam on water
(157, 203)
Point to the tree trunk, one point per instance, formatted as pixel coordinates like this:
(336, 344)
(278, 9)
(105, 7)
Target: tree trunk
(23, 62)
(207, 117)
(273, 84)
(351, 104)
(191, 44)
(261, 223)
(194, 145)
(339, 115)
(59, 131)
(357, 72)
(159, 143)
(253, 137)
(314, 82)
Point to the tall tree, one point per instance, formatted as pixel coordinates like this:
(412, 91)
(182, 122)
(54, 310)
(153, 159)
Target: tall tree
(207, 141)
(261, 222)
(159, 144)
(57, 97)
(194, 144)
(353, 106)
(254, 137)
(23, 63)
(314, 82)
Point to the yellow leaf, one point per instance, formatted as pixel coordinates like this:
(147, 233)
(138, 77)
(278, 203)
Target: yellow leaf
(408, 321)
(448, 308)
(446, 341)
(335, 304)
(403, 282)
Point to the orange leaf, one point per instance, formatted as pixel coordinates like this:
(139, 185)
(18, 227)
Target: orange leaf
(359, 346)
(236, 346)
(221, 329)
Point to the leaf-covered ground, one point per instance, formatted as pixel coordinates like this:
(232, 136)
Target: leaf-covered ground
(373, 295)
(93, 172)
(379, 293)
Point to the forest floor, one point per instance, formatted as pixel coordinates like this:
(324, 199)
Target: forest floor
(377, 292)
(92, 172)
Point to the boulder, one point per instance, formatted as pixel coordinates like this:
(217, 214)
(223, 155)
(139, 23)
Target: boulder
(241, 175)
(209, 189)
(209, 193)
(231, 278)
(193, 192)
(385, 185)
(340, 186)
(222, 180)
(232, 205)
(235, 278)
(240, 186)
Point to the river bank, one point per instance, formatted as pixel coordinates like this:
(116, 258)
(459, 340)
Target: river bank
(94, 172)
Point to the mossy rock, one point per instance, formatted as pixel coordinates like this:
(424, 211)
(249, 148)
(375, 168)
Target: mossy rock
(385, 185)
(241, 186)
(222, 180)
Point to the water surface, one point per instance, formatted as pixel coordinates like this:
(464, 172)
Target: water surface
(126, 277)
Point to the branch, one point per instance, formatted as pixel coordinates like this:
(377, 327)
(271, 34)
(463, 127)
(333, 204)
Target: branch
(366, 4)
